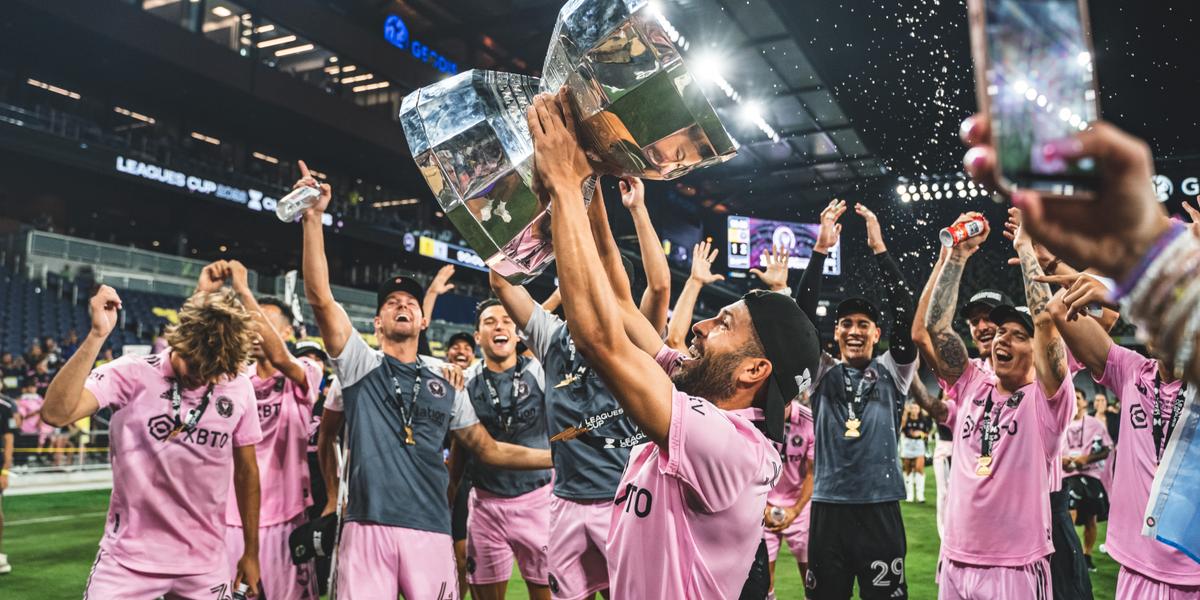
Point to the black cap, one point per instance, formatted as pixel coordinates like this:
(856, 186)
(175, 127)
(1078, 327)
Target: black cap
(313, 539)
(398, 283)
(987, 298)
(461, 336)
(857, 305)
(310, 348)
(1007, 313)
(791, 343)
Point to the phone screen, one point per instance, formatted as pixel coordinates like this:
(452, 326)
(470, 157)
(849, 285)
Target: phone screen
(1040, 87)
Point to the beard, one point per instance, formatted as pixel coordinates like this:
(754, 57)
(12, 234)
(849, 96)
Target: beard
(709, 377)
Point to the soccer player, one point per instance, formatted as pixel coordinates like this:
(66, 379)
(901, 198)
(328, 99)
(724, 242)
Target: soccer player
(460, 350)
(789, 499)
(7, 426)
(1007, 429)
(857, 405)
(685, 522)
(1152, 399)
(914, 435)
(285, 389)
(509, 513)
(1085, 445)
(398, 411)
(184, 426)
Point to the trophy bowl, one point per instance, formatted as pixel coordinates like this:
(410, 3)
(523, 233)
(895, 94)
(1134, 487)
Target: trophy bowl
(641, 114)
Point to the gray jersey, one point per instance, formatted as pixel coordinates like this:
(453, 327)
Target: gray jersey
(866, 469)
(391, 482)
(518, 418)
(590, 466)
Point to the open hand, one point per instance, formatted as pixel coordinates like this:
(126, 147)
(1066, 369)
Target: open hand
(830, 231)
(441, 282)
(703, 255)
(776, 262)
(874, 232)
(559, 162)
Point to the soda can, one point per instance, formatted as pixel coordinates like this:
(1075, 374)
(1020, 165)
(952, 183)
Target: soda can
(955, 234)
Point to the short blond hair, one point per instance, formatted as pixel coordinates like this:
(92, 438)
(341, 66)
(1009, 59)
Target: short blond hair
(214, 334)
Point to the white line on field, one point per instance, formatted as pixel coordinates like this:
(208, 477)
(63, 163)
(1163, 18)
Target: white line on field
(52, 519)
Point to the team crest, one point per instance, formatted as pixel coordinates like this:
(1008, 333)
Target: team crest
(1015, 400)
(522, 389)
(224, 407)
(870, 375)
(436, 388)
(279, 383)
(797, 440)
(553, 583)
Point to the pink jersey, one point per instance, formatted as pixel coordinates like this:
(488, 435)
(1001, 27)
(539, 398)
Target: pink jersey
(31, 423)
(797, 451)
(169, 493)
(1002, 519)
(1080, 438)
(687, 519)
(1132, 377)
(285, 415)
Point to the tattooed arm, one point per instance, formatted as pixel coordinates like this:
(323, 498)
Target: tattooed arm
(1049, 351)
(936, 407)
(949, 351)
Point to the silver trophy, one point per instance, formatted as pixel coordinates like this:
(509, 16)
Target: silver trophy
(640, 113)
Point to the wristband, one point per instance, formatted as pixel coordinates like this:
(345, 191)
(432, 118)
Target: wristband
(1127, 284)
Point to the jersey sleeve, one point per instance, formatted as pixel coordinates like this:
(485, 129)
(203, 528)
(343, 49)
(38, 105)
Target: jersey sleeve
(333, 396)
(356, 360)
(312, 379)
(1054, 413)
(248, 430)
(711, 456)
(535, 369)
(112, 382)
(669, 359)
(902, 373)
(1121, 365)
(539, 331)
(462, 415)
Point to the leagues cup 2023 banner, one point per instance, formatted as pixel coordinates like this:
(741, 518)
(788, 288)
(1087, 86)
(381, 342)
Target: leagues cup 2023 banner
(641, 114)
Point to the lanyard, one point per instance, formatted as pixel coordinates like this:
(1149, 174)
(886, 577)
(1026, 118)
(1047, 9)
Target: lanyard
(505, 415)
(990, 426)
(406, 411)
(856, 406)
(1162, 437)
(193, 414)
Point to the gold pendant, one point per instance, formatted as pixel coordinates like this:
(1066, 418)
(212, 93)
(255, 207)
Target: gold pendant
(567, 381)
(983, 466)
(174, 433)
(569, 433)
(409, 436)
(852, 426)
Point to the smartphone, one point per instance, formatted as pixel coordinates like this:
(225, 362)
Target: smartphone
(1035, 79)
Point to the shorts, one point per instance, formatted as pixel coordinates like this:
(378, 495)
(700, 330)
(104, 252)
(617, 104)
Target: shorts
(911, 448)
(500, 529)
(381, 561)
(856, 541)
(281, 578)
(960, 581)
(460, 510)
(1068, 572)
(796, 535)
(578, 552)
(1086, 496)
(109, 579)
(1132, 585)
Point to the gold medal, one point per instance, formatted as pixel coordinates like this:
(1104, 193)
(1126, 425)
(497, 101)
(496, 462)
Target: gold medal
(983, 466)
(852, 426)
(409, 436)
(567, 381)
(569, 433)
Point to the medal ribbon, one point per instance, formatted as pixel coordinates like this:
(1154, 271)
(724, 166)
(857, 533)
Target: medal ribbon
(406, 411)
(505, 415)
(1162, 437)
(193, 414)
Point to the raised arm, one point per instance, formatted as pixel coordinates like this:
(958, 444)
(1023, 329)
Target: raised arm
(920, 336)
(1049, 352)
(637, 326)
(593, 314)
(900, 295)
(949, 351)
(808, 292)
(552, 303)
(1085, 336)
(703, 255)
(332, 319)
(66, 399)
(515, 298)
(657, 297)
(273, 346)
(440, 285)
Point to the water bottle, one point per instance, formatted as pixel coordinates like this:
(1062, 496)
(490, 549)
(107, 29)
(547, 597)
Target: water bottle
(777, 515)
(296, 202)
(240, 593)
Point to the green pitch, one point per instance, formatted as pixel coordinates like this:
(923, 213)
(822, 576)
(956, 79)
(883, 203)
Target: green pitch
(51, 542)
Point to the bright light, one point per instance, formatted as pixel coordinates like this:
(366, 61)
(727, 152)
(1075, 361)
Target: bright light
(1041, 100)
(962, 193)
(924, 188)
(221, 11)
(900, 189)
(206, 138)
(1083, 58)
(937, 195)
(294, 50)
(264, 28)
(912, 189)
(974, 192)
(707, 66)
(286, 39)
(133, 115)
(958, 185)
(905, 197)
(1021, 86)
(1075, 120)
(752, 111)
(357, 78)
(370, 86)
(265, 157)
(1031, 94)
(53, 88)
(1064, 114)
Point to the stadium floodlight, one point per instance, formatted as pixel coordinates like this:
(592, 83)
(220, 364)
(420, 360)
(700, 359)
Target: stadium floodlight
(295, 50)
(265, 157)
(900, 189)
(222, 11)
(53, 88)
(283, 39)
(370, 86)
(906, 197)
(358, 78)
